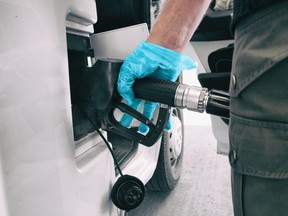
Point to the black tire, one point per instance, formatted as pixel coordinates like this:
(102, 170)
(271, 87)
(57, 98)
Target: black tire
(169, 167)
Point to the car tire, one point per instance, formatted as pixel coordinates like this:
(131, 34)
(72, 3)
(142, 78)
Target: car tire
(169, 166)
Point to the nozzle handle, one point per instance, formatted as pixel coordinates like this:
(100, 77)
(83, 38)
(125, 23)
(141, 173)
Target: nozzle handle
(154, 90)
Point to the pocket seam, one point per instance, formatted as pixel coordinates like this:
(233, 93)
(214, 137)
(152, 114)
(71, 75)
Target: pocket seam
(255, 159)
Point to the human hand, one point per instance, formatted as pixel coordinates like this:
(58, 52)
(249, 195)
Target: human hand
(154, 61)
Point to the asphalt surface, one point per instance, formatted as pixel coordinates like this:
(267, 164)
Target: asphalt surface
(204, 186)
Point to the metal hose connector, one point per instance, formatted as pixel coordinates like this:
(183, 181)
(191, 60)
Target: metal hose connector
(191, 97)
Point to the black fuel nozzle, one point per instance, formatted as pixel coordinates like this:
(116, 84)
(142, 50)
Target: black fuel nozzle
(99, 101)
(181, 96)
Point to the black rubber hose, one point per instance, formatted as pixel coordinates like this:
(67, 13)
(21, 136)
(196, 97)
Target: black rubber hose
(218, 103)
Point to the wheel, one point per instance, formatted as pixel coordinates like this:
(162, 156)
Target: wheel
(169, 166)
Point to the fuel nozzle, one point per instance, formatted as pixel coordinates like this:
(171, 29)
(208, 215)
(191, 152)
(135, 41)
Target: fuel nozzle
(182, 96)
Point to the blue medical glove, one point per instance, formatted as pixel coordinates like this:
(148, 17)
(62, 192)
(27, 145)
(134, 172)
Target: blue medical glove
(154, 61)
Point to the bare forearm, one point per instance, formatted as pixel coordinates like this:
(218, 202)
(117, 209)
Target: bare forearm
(177, 23)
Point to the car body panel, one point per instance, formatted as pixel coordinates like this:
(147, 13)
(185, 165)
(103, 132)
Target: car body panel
(43, 170)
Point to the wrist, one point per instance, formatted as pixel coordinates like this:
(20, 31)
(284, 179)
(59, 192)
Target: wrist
(167, 56)
(170, 39)
(163, 52)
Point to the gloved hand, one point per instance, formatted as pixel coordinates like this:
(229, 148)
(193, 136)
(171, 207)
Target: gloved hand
(154, 61)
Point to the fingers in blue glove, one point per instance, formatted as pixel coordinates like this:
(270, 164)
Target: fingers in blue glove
(148, 111)
(169, 123)
(126, 119)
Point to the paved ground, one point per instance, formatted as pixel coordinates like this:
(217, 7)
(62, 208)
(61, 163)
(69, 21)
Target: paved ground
(204, 187)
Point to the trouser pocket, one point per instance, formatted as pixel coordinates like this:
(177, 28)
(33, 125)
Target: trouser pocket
(258, 148)
(255, 196)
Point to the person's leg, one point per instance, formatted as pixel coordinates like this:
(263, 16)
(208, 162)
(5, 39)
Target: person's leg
(236, 189)
(258, 128)
(255, 196)
(263, 196)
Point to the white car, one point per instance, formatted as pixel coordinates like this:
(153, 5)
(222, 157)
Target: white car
(52, 160)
